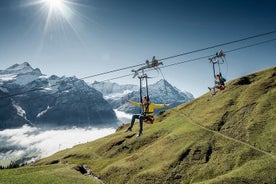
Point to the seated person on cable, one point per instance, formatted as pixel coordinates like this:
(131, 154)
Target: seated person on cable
(148, 113)
(219, 83)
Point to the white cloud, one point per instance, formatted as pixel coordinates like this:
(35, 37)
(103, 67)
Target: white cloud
(123, 117)
(33, 143)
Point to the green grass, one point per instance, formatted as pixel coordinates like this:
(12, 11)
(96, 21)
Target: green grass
(226, 138)
(57, 173)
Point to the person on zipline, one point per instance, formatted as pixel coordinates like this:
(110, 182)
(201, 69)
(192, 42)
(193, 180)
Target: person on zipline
(219, 83)
(148, 113)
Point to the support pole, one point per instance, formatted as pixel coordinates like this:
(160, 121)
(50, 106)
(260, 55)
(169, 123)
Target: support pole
(141, 98)
(147, 88)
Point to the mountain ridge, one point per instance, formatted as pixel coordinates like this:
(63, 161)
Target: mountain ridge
(42, 100)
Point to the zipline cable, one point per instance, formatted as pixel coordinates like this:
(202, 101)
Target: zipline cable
(251, 45)
(201, 58)
(177, 63)
(111, 71)
(225, 136)
(228, 51)
(218, 45)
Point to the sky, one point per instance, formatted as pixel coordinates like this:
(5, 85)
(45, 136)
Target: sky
(85, 37)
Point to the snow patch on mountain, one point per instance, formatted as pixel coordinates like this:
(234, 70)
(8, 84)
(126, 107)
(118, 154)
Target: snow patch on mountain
(4, 89)
(8, 77)
(43, 112)
(21, 112)
(24, 79)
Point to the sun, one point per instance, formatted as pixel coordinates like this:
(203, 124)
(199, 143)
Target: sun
(55, 4)
(57, 18)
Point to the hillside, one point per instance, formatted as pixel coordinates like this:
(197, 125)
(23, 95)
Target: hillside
(226, 138)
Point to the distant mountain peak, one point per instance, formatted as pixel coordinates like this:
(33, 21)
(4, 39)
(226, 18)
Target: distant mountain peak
(22, 68)
(20, 74)
(63, 100)
(19, 66)
(162, 82)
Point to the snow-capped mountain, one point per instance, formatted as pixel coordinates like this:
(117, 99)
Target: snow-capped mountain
(112, 90)
(28, 96)
(159, 92)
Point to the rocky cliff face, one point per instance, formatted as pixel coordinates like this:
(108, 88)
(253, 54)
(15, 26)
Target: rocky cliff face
(28, 96)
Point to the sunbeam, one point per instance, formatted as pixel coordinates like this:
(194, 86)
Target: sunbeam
(59, 21)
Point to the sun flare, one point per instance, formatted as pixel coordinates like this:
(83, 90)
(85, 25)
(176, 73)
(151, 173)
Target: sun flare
(55, 4)
(58, 18)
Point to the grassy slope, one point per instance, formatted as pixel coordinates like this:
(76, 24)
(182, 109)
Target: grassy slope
(227, 138)
(54, 174)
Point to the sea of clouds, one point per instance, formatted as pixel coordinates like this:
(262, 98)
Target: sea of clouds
(27, 144)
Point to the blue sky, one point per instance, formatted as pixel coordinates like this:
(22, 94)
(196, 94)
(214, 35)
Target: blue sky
(87, 37)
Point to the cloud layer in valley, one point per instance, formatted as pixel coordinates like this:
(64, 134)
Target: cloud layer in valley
(27, 143)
